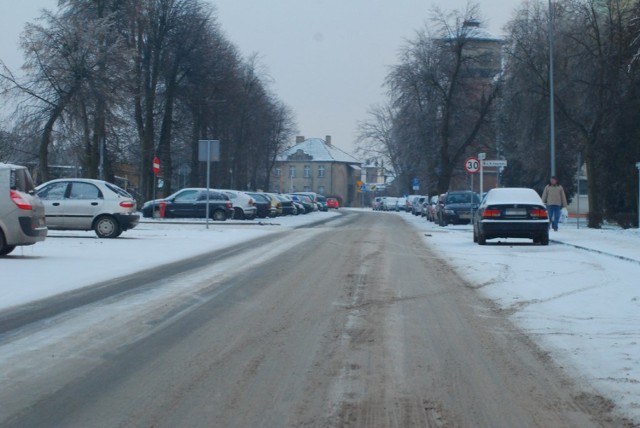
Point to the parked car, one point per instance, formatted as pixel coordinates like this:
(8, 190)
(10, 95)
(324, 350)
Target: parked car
(511, 213)
(243, 204)
(300, 208)
(431, 208)
(264, 207)
(376, 205)
(417, 205)
(333, 203)
(307, 204)
(287, 205)
(392, 204)
(276, 204)
(408, 207)
(456, 207)
(191, 203)
(86, 204)
(22, 217)
(322, 203)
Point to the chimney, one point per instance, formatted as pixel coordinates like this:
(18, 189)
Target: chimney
(299, 139)
(327, 140)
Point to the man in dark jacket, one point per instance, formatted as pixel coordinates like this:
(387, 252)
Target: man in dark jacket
(553, 196)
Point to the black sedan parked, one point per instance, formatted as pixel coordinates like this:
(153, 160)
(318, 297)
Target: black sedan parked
(456, 207)
(511, 213)
(190, 203)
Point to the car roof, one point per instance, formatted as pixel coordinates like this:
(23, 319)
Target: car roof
(511, 195)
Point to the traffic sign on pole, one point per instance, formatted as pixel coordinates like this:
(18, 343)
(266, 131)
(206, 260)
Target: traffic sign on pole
(156, 165)
(494, 163)
(472, 165)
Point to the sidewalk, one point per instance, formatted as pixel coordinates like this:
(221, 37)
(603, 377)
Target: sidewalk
(610, 240)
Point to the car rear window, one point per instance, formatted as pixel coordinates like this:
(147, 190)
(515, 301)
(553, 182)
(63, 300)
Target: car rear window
(117, 190)
(21, 180)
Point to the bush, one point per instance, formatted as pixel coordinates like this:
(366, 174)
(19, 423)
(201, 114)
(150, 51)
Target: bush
(626, 220)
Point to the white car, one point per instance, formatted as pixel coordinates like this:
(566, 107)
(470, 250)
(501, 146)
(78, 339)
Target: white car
(243, 204)
(87, 204)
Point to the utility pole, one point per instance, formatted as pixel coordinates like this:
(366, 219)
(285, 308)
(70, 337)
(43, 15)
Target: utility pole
(552, 125)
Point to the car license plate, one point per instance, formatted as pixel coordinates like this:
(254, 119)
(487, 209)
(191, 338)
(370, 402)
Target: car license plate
(515, 212)
(465, 215)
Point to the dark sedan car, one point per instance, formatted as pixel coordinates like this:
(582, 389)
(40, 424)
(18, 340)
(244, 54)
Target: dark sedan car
(191, 203)
(456, 207)
(511, 213)
(263, 204)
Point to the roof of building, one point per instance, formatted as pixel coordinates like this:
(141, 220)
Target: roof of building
(472, 30)
(319, 151)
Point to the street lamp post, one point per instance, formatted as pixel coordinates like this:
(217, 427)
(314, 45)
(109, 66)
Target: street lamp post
(552, 131)
(638, 166)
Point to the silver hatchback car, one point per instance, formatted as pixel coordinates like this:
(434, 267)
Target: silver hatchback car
(22, 220)
(86, 204)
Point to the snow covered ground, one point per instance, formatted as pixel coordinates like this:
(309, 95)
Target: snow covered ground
(51, 267)
(579, 297)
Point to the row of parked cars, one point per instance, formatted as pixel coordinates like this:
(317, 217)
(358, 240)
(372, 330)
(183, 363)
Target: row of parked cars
(27, 212)
(223, 204)
(502, 212)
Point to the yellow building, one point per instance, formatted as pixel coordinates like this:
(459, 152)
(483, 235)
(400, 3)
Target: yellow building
(316, 165)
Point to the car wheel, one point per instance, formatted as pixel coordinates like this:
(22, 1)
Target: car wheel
(441, 221)
(475, 237)
(106, 227)
(219, 215)
(238, 213)
(544, 239)
(481, 238)
(4, 248)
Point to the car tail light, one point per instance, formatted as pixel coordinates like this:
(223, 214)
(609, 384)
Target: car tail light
(127, 204)
(21, 202)
(491, 213)
(229, 205)
(539, 213)
(251, 202)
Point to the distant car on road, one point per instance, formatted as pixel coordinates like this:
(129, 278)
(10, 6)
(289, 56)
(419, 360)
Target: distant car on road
(511, 213)
(86, 204)
(191, 203)
(22, 218)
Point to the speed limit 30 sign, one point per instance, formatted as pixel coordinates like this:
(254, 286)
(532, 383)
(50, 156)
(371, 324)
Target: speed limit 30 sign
(472, 165)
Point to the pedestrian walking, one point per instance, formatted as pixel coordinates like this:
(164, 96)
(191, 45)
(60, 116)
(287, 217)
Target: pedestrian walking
(553, 196)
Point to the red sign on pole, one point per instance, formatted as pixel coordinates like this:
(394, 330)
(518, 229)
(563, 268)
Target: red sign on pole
(156, 165)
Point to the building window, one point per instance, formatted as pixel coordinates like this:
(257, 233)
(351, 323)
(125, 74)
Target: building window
(321, 171)
(321, 190)
(292, 171)
(278, 172)
(307, 188)
(307, 171)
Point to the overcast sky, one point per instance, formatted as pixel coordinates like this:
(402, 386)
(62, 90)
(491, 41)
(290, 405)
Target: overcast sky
(327, 58)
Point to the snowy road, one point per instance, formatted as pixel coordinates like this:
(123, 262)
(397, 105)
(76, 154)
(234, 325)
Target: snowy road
(355, 322)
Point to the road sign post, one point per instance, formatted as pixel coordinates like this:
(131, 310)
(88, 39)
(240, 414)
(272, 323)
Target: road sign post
(472, 165)
(208, 151)
(482, 157)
